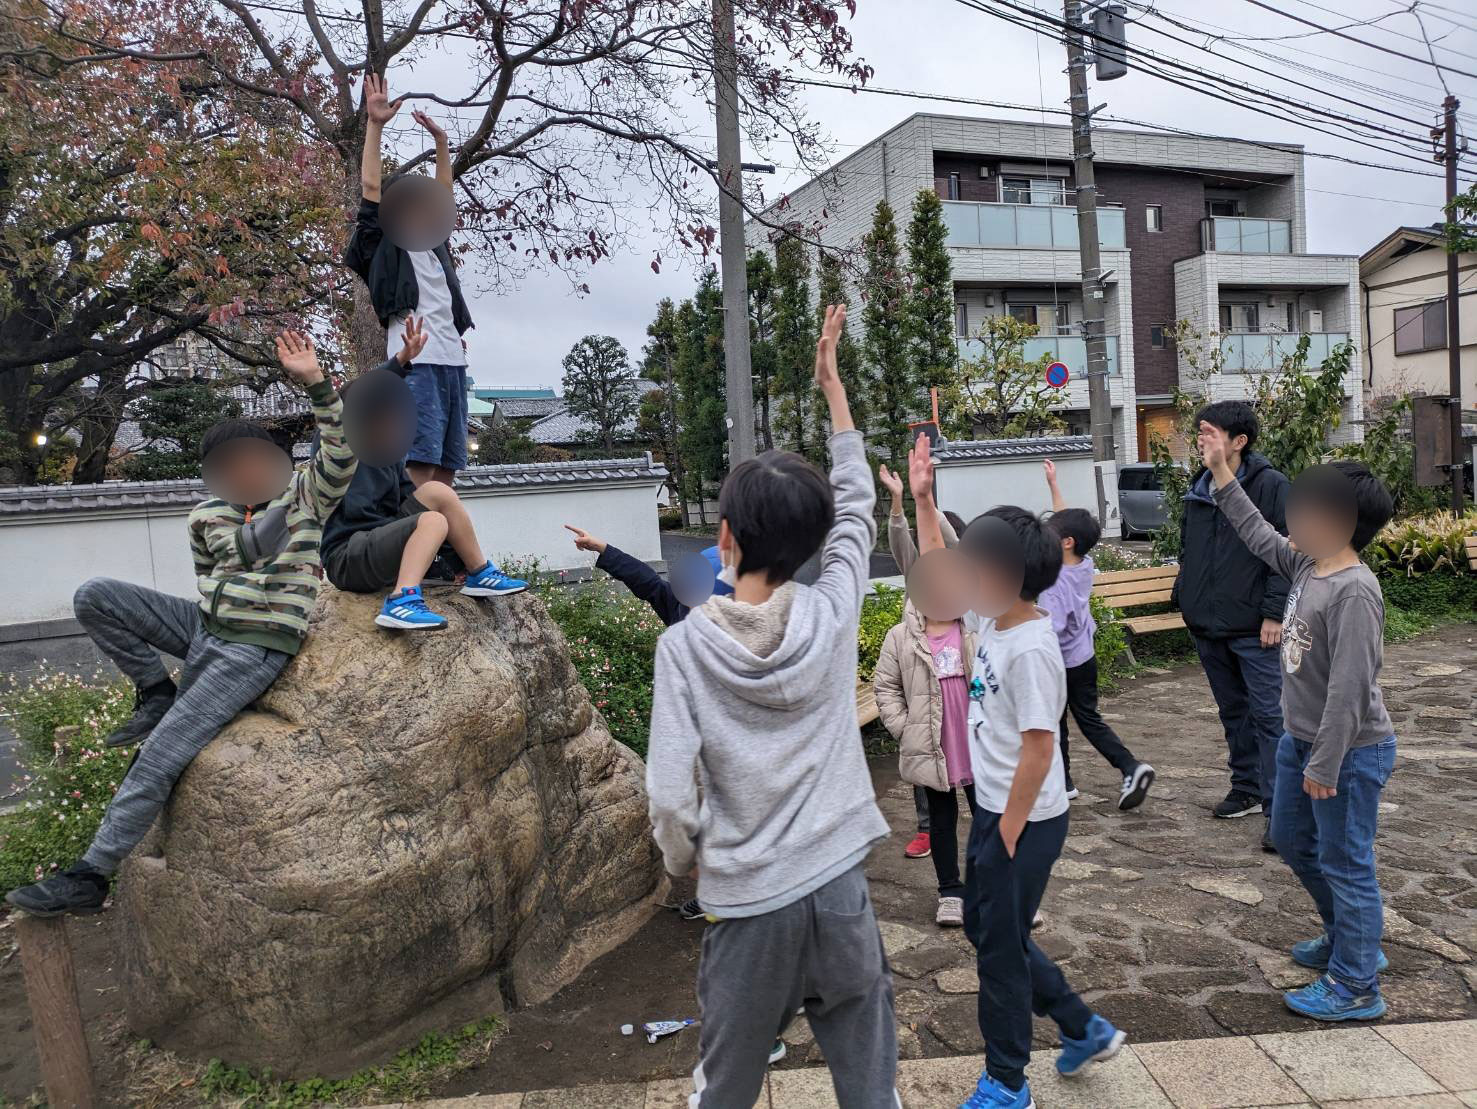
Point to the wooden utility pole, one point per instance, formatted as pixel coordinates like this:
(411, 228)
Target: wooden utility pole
(56, 1015)
(738, 376)
(1453, 310)
(1094, 294)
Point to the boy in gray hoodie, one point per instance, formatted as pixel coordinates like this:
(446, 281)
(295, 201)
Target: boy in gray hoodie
(757, 779)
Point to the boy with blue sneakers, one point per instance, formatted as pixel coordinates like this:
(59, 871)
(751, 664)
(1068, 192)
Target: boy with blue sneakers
(386, 531)
(1339, 748)
(1018, 693)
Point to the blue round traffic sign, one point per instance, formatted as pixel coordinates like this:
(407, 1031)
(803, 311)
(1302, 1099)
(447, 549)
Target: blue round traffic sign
(1058, 375)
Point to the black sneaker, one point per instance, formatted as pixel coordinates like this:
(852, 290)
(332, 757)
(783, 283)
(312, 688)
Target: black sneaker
(149, 707)
(1136, 785)
(78, 889)
(691, 910)
(1237, 804)
(1267, 845)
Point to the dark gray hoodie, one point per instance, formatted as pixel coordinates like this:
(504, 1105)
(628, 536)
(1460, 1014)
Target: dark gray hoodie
(755, 769)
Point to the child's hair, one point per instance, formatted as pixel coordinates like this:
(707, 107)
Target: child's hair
(779, 507)
(1078, 525)
(956, 521)
(1373, 503)
(1234, 417)
(227, 430)
(1041, 550)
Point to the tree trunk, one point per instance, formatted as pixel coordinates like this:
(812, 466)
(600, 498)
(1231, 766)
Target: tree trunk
(100, 426)
(364, 336)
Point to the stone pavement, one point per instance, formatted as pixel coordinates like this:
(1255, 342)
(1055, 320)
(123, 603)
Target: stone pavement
(1413, 1066)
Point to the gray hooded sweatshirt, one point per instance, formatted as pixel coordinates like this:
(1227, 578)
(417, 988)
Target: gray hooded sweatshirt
(755, 771)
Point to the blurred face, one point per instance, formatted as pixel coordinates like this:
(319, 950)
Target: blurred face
(994, 553)
(1321, 511)
(692, 579)
(940, 585)
(247, 471)
(379, 418)
(417, 213)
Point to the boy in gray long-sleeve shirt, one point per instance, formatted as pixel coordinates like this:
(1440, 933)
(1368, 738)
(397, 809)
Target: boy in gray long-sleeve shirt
(756, 776)
(1340, 746)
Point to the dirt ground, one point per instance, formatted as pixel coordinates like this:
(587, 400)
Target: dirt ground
(1171, 923)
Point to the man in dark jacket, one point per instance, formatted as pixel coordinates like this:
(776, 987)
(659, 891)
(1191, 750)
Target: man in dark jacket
(1232, 605)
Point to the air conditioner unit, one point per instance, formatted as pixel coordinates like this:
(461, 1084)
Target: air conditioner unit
(1312, 320)
(984, 172)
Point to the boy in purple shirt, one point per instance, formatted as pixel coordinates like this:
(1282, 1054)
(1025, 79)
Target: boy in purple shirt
(1071, 615)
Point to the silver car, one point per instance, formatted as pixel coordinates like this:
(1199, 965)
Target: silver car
(1140, 500)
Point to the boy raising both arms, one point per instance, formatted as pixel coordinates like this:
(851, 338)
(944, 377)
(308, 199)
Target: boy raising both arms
(1339, 748)
(754, 705)
(255, 545)
(1069, 600)
(1018, 693)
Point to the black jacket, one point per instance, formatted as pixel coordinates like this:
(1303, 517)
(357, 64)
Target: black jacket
(642, 581)
(374, 498)
(390, 274)
(1223, 590)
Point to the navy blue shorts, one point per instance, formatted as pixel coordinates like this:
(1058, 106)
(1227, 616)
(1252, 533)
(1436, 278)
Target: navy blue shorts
(440, 414)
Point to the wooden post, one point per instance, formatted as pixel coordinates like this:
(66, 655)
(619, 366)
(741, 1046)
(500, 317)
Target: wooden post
(56, 1015)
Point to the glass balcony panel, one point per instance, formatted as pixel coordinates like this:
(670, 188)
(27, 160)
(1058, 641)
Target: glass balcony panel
(1110, 229)
(963, 223)
(1064, 228)
(1033, 226)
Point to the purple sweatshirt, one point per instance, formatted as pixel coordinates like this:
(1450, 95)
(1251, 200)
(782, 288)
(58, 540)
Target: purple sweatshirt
(1067, 601)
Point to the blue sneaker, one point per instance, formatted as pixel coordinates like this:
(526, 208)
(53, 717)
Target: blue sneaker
(407, 610)
(491, 582)
(1101, 1042)
(1315, 953)
(1327, 999)
(990, 1094)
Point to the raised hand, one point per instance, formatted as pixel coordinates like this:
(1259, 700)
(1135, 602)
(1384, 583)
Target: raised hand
(429, 124)
(827, 377)
(1049, 467)
(920, 472)
(377, 103)
(295, 352)
(890, 481)
(585, 541)
(414, 341)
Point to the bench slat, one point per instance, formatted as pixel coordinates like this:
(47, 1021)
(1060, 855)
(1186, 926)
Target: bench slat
(1144, 625)
(1128, 598)
(1147, 573)
(866, 704)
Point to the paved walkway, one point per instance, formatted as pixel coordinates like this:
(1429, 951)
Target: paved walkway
(1413, 1066)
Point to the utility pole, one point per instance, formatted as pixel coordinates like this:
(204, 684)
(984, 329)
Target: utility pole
(737, 373)
(1093, 291)
(1453, 310)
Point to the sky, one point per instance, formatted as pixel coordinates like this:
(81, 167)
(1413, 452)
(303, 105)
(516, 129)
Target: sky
(523, 333)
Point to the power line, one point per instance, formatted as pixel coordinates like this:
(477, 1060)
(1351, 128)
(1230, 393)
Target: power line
(1352, 38)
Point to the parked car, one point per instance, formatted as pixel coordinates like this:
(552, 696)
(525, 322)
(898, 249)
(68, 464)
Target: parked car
(1140, 500)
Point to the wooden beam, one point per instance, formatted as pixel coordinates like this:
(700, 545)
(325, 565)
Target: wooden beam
(56, 1015)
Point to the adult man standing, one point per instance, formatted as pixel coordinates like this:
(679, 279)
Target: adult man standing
(1233, 605)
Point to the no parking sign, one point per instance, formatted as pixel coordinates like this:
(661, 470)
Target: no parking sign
(1057, 375)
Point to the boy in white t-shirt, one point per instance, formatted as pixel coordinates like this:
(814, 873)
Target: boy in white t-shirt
(1018, 692)
(421, 281)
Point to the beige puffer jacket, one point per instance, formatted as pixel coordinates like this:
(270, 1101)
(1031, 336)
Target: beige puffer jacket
(910, 703)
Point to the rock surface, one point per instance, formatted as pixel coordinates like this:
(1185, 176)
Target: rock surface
(406, 832)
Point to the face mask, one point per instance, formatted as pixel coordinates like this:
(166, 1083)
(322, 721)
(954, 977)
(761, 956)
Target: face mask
(728, 576)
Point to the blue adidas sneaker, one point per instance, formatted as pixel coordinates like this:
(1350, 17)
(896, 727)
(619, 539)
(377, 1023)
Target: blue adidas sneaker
(491, 582)
(990, 1094)
(1101, 1042)
(1315, 953)
(407, 611)
(1329, 999)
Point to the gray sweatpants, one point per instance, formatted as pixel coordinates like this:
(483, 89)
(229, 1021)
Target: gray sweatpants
(131, 625)
(822, 952)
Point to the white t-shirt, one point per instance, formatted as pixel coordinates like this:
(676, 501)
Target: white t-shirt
(1019, 684)
(443, 343)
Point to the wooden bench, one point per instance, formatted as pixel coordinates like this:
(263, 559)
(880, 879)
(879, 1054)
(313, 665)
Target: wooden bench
(1152, 585)
(866, 704)
(1472, 552)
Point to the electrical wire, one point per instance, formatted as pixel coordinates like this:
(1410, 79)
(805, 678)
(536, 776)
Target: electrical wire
(1352, 38)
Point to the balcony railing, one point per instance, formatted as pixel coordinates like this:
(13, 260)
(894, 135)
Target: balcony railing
(1071, 349)
(1053, 226)
(1246, 236)
(1256, 352)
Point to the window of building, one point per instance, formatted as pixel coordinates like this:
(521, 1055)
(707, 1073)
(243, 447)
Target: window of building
(1050, 319)
(1033, 190)
(1223, 206)
(1420, 327)
(961, 319)
(954, 186)
(1154, 217)
(1156, 337)
(1239, 316)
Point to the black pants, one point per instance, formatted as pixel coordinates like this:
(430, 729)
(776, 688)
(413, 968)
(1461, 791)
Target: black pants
(1246, 680)
(1082, 707)
(943, 817)
(1016, 977)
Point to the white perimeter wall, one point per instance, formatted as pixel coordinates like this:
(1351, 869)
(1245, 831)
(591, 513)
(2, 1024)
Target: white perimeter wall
(975, 485)
(53, 553)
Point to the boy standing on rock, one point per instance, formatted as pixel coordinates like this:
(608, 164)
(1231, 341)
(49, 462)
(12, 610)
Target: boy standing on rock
(754, 705)
(255, 545)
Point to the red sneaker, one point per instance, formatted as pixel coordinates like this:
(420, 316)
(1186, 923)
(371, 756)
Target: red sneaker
(919, 847)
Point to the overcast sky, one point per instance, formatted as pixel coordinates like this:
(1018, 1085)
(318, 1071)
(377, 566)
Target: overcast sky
(943, 46)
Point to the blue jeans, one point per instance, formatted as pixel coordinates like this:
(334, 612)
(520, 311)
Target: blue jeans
(440, 414)
(1246, 681)
(1330, 846)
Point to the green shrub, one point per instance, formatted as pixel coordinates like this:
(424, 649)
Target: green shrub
(1422, 545)
(64, 799)
(879, 613)
(1108, 644)
(669, 519)
(1109, 558)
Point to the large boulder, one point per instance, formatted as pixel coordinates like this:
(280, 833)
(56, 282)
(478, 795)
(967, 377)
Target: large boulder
(406, 832)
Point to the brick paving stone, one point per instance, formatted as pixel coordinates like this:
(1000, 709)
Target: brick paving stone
(1217, 1074)
(1346, 1063)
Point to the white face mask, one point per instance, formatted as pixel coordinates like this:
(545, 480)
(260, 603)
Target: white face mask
(728, 576)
